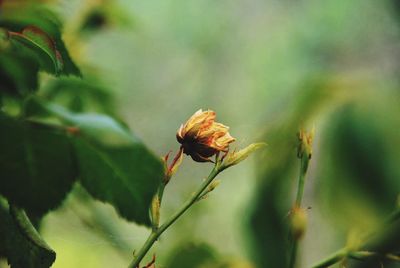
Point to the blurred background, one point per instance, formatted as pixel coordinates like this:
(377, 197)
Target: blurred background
(268, 68)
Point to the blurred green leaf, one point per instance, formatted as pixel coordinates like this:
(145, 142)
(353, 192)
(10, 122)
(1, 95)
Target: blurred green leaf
(114, 166)
(42, 45)
(17, 17)
(20, 243)
(80, 95)
(192, 255)
(360, 185)
(36, 165)
(384, 241)
(18, 74)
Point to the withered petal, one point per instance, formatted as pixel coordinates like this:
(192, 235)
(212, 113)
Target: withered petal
(198, 158)
(198, 121)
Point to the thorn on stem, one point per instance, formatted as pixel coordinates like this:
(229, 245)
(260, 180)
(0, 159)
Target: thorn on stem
(150, 264)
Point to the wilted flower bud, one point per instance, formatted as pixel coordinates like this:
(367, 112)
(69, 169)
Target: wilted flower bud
(201, 137)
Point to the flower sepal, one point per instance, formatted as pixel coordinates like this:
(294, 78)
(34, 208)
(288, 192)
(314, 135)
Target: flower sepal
(235, 157)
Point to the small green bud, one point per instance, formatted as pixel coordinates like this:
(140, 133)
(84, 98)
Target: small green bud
(298, 222)
(213, 185)
(305, 143)
(155, 211)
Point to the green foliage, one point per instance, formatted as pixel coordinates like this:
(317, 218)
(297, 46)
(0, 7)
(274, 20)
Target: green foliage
(30, 40)
(114, 166)
(18, 74)
(47, 148)
(385, 240)
(20, 242)
(36, 165)
(80, 95)
(360, 184)
(253, 76)
(16, 18)
(42, 46)
(357, 181)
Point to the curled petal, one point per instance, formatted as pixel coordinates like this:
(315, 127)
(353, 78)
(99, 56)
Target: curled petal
(200, 158)
(222, 142)
(200, 120)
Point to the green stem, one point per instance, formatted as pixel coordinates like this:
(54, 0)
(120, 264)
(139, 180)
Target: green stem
(332, 259)
(155, 234)
(300, 190)
(293, 253)
(156, 206)
(361, 255)
(300, 187)
(357, 255)
(160, 192)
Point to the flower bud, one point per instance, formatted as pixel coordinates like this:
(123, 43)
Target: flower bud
(155, 211)
(298, 222)
(213, 185)
(201, 137)
(305, 143)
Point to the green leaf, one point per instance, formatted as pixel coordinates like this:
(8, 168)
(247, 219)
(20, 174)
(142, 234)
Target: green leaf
(18, 17)
(42, 45)
(192, 255)
(36, 165)
(18, 71)
(18, 74)
(359, 163)
(114, 165)
(80, 95)
(20, 243)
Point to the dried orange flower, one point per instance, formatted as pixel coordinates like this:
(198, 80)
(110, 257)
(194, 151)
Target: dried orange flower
(201, 137)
